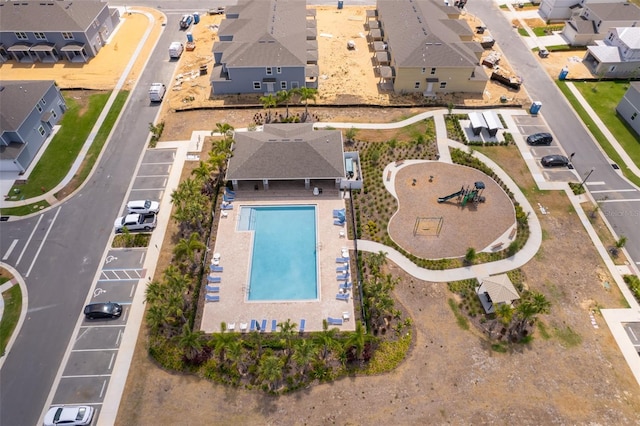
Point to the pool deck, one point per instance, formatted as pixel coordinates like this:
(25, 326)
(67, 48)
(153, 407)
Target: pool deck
(235, 248)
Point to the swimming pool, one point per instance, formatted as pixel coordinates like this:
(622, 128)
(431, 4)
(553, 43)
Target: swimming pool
(283, 258)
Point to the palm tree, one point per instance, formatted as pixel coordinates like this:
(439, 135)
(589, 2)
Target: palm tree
(190, 342)
(188, 247)
(203, 172)
(327, 339)
(304, 353)
(225, 129)
(504, 313)
(156, 318)
(287, 329)
(532, 304)
(220, 343)
(306, 94)
(270, 370)
(376, 261)
(283, 97)
(470, 256)
(154, 292)
(268, 102)
(357, 340)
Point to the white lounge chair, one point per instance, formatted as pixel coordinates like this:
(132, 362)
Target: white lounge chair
(231, 326)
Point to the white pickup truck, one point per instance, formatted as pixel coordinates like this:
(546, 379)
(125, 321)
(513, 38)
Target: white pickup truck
(136, 222)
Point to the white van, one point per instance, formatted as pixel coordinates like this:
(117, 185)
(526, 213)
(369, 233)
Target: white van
(175, 50)
(156, 92)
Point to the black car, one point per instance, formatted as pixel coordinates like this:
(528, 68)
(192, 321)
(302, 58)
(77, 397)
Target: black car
(540, 139)
(103, 310)
(554, 161)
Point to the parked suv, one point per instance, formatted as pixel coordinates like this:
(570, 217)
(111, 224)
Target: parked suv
(143, 206)
(103, 310)
(540, 139)
(186, 21)
(554, 161)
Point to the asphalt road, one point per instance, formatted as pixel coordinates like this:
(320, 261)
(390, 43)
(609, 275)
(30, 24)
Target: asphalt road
(622, 206)
(60, 260)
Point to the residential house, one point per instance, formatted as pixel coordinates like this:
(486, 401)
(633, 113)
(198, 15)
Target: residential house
(264, 47)
(51, 30)
(591, 23)
(429, 49)
(561, 10)
(617, 56)
(287, 156)
(30, 110)
(629, 106)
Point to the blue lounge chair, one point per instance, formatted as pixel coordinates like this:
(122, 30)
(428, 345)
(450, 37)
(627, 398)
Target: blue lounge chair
(215, 268)
(213, 279)
(213, 289)
(344, 268)
(263, 326)
(211, 298)
(228, 198)
(342, 260)
(343, 277)
(345, 286)
(339, 213)
(227, 206)
(230, 192)
(254, 323)
(334, 321)
(342, 296)
(302, 324)
(338, 222)
(274, 324)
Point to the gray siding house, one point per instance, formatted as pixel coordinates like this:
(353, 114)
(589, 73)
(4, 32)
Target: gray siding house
(264, 47)
(592, 22)
(30, 110)
(629, 106)
(48, 31)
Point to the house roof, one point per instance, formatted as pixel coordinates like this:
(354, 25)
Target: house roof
(18, 98)
(605, 54)
(500, 289)
(615, 11)
(50, 15)
(266, 33)
(287, 151)
(420, 33)
(630, 36)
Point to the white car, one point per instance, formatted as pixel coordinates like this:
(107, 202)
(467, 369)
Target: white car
(143, 206)
(69, 415)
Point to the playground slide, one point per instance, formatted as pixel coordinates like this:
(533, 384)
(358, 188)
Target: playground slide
(450, 196)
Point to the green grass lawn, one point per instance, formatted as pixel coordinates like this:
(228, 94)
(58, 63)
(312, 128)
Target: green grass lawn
(12, 306)
(65, 146)
(603, 100)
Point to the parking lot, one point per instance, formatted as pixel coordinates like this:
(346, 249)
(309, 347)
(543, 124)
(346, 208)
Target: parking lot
(86, 374)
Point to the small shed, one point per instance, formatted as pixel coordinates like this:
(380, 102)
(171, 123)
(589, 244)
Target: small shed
(496, 290)
(477, 122)
(493, 122)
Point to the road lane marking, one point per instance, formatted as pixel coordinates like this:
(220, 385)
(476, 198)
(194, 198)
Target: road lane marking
(619, 201)
(29, 239)
(613, 190)
(43, 241)
(94, 350)
(11, 247)
(600, 182)
(81, 376)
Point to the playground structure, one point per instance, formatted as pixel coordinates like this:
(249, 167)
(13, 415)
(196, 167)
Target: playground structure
(467, 194)
(428, 226)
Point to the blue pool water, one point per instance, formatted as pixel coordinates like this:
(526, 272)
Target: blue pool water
(284, 258)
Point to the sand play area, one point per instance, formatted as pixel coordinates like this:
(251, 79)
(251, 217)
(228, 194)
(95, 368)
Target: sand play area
(433, 230)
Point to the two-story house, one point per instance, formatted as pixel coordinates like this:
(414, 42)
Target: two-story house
(264, 47)
(51, 30)
(629, 106)
(593, 21)
(617, 56)
(429, 48)
(561, 10)
(30, 110)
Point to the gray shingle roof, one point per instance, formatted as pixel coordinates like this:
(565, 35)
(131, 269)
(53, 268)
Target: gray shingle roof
(17, 100)
(266, 33)
(287, 151)
(419, 33)
(615, 11)
(51, 15)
